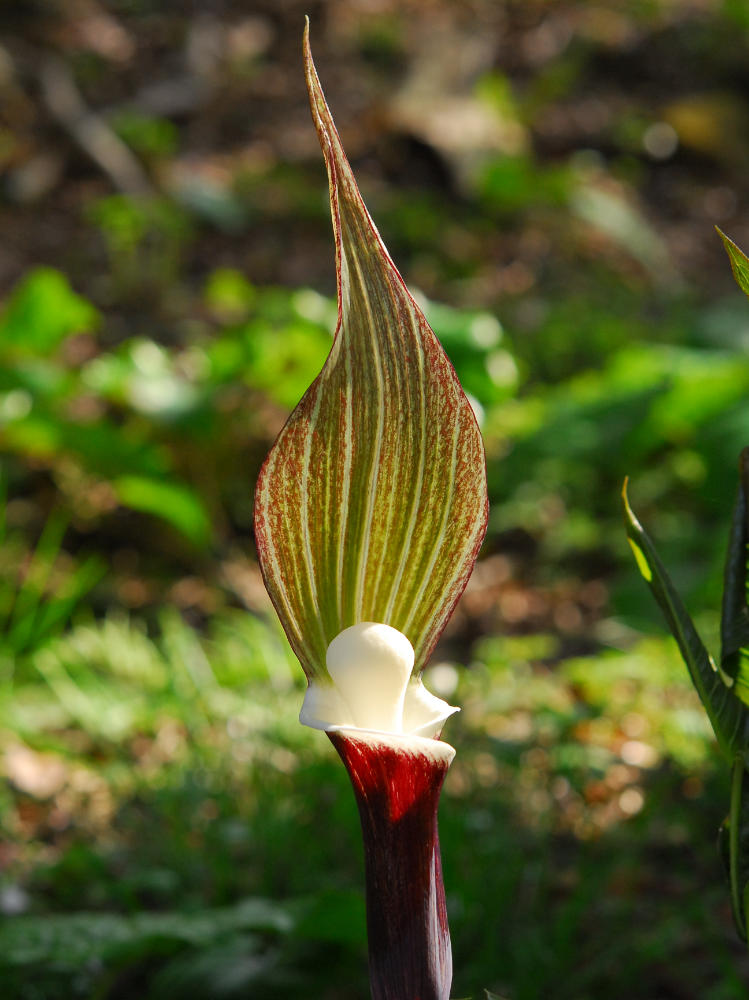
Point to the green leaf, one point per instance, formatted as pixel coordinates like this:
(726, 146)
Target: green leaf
(727, 715)
(739, 262)
(173, 502)
(734, 626)
(372, 504)
(280, 361)
(733, 845)
(42, 311)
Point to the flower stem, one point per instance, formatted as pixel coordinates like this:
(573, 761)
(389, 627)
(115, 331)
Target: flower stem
(397, 782)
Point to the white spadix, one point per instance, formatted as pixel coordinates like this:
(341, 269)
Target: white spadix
(370, 667)
(370, 664)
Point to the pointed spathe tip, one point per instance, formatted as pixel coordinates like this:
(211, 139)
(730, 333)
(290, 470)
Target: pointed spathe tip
(305, 37)
(320, 112)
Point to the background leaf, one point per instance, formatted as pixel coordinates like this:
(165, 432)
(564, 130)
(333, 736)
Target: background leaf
(727, 714)
(735, 616)
(42, 311)
(173, 502)
(739, 262)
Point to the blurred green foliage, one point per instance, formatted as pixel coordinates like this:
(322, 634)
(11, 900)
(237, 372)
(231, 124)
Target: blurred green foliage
(167, 826)
(568, 780)
(575, 772)
(124, 418)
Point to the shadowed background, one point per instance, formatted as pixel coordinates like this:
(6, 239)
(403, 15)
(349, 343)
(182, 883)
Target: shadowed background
(547, 177)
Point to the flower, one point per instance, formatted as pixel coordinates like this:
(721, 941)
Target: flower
(369, 513)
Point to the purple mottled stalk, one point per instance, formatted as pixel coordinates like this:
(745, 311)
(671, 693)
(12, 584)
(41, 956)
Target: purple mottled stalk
(397, 783)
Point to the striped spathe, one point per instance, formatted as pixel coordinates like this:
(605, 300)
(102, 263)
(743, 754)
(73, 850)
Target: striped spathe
(372, 503)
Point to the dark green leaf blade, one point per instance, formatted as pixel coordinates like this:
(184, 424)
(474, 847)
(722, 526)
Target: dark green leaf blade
(739, 262)
(726, 713)
(734, 626)
(733, 845)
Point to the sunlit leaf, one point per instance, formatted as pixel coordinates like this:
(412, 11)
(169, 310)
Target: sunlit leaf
(372, 503)
(726, 713)
(42, 311)
(280, 361)
(739, 262)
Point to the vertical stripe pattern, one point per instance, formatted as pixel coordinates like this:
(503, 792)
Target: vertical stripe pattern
(371, 505)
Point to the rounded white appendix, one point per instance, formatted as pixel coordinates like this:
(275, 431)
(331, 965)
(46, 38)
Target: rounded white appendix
(370, 666)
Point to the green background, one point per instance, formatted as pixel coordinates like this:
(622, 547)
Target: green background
(547, 176)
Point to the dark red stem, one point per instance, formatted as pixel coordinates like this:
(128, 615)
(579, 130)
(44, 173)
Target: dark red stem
(397, 783)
